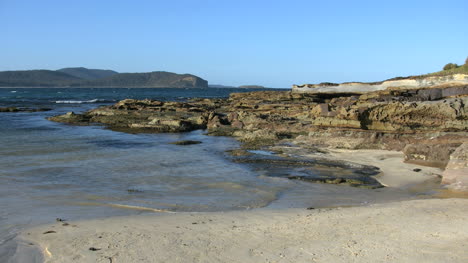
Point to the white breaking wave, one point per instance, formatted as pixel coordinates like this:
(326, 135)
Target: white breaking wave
(82, 101)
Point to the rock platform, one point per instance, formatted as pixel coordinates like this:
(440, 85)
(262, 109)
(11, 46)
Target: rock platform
(428, 124)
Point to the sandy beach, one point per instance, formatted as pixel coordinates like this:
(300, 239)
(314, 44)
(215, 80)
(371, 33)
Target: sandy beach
(432, 230)
(429, 230)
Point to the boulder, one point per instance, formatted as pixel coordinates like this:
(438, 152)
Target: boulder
(455, 175)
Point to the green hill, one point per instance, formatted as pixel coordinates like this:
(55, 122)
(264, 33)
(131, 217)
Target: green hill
(89, 74)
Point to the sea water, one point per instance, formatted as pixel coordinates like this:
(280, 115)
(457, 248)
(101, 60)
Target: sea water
(52, 170)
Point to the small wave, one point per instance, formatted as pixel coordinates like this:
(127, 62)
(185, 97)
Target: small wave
(143, 208)
(13, 91)
(82, 101)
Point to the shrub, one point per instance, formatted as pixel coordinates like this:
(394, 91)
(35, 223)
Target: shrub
(450, 66)
(466, 61)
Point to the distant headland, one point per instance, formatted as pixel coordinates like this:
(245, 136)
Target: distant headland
(84, 77)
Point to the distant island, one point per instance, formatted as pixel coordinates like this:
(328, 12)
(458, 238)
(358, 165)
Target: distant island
(83, 77)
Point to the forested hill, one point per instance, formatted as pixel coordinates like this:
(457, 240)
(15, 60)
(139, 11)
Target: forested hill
(36, 78)
(157, 79)
(89, 74)
(82, 77)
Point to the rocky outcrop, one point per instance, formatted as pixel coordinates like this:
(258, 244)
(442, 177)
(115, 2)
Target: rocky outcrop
(361, 87)
(147, 116)
(426, 124)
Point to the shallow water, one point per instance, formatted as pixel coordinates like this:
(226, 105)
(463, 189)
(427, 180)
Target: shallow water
(50, 170)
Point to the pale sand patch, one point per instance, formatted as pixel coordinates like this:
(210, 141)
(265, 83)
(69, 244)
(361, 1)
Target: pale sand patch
(395, 173)
(431, 230)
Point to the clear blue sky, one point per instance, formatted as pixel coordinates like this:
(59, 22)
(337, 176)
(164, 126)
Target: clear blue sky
(272, 43)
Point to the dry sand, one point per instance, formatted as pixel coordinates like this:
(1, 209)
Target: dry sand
(434, 230)
(430, 230)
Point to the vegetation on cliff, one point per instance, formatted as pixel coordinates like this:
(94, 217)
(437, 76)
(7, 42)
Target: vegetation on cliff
(450, 69)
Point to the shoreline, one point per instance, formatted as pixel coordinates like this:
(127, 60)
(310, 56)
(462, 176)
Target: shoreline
(266, 121)
(64, 242)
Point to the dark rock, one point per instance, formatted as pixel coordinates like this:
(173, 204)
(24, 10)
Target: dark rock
(131, 191)
(15, 109)
(315, 171)
(186, 142)
(9, 109)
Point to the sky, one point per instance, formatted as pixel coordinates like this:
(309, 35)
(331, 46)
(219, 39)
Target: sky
(237, 42)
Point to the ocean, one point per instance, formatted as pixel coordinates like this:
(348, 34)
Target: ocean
(52, 170)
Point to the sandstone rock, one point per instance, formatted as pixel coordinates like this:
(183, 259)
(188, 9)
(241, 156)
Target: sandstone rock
(71, 117)
(409, 83)
(456, 172)
(435, 155)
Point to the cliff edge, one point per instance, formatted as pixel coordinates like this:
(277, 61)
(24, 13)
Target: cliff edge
(361, 87)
